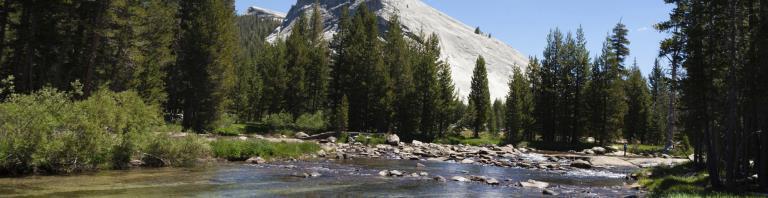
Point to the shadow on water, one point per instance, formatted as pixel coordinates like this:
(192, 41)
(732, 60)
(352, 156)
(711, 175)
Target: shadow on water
(353, 178)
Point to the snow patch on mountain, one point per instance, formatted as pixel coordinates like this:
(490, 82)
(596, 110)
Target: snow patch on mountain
(460, 46)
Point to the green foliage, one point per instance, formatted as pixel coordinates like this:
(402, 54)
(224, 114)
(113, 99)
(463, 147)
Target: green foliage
(312, 122)
(231, 130)
(636, 119)
(163, 150)
(479, 97)
(680, 181)
(279, 121)
(485, 139)
(242, 150)
(207, 49)
(518, 112)
(47, 131)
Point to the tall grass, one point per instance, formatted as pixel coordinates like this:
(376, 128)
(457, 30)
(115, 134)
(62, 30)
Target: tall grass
(241, 150)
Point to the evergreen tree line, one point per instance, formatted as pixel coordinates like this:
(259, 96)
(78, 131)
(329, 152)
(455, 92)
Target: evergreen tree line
(180, 54)
(567, 96)
(717, 55)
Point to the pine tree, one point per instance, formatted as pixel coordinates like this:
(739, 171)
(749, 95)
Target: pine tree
(606, 90)
(636, 117)
(298, 50)
(659, 85)
(206, 53)
(518, 112)
(426, 86)
(619, 44)
(318, 72)
(447, 100)
(398, 60)
(479, 97)
(532, 106)
(547, 98)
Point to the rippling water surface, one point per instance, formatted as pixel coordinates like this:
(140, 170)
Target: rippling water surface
(348, 178)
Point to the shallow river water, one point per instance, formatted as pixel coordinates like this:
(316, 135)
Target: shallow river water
(347, 178)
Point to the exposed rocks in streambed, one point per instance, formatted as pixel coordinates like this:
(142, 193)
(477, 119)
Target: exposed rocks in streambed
(306, 175)
(255, 160)
(581, 164)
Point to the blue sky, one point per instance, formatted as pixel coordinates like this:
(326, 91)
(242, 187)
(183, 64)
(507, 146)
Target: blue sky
(524, 24)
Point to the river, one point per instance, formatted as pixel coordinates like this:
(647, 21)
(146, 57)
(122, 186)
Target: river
(345, 178)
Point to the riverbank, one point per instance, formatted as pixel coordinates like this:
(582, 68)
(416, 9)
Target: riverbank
(685, 180)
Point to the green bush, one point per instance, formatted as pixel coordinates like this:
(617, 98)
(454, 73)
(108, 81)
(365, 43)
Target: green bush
(48, 131)
(231, 130)
(178, 152)
(277, 122)
(311, 122)
(237, 150)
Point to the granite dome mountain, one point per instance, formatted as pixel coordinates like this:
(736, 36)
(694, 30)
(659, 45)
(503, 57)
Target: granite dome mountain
(460, 45)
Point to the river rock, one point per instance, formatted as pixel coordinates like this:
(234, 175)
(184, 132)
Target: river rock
(419, 165)
(393, 140)
(439, 179)
(467, 161)
(437, 159)
(395, 173)
(384, 173)
(588, 151)
(492, 181)
(322, 153)
(315, 174)
(414, 175)
(423, 173)
(243, 138)
(255, 160)
(581, 164)
(549, 192)
(331, 139)
(599, 150)
(459, 179)
(417, 143)
(136, 163)
(534, 184)
(301, 175)
(665, 156)
(301, 135)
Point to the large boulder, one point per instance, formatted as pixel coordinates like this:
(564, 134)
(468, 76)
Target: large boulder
(581, 164)
(301, 135)
(393, 140)
(599, 150)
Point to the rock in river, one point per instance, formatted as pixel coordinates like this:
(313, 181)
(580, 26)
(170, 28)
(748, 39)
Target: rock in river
(419, 165)
(439, 179)
(549, 192)
(492, 181)
(301, 135)
(459, 178)
(467, 161)
(393, 140)
(581, 164)
(534, 184)
(255, 160)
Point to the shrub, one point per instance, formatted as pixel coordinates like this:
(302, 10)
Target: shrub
(237, 150)
(231, 130)
(311, 122)
(279, 121)
(178, 152)
(48, 131)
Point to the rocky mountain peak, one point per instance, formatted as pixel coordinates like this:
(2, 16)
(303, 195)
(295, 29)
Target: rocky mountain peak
(460, 46)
